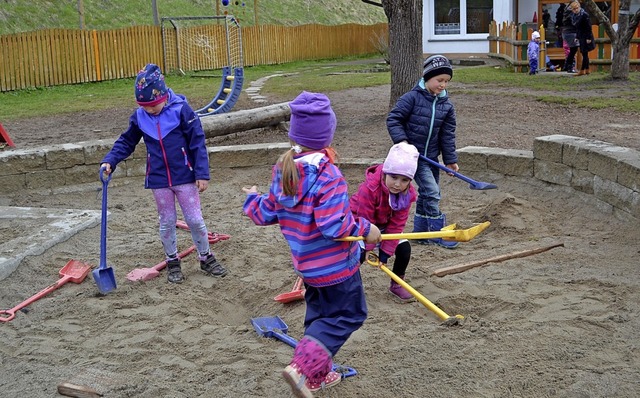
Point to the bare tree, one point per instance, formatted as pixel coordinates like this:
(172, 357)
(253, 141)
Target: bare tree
(405, 44)
(621, 38)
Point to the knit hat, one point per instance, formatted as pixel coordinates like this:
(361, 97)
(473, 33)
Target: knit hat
(401, 160)
(313, 122)
(436, 65)
(150, 88)
(535, 35)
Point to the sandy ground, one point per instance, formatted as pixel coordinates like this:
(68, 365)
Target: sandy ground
(561, 323)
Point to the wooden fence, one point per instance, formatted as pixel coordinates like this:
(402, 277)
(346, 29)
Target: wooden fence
(64, 56)
(509, 42)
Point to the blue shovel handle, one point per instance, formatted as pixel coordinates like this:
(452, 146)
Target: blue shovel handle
(103, 225)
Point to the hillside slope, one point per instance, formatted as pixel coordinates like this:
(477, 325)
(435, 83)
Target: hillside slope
(22, 16)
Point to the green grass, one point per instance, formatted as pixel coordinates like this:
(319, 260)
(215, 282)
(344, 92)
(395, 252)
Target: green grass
(595, 91)
(28, 15)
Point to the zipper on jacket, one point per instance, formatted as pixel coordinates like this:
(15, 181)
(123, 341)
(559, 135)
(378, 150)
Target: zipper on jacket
(186, 159)
(164, 154)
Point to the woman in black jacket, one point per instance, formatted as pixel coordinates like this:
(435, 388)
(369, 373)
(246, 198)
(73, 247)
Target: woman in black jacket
(582, 22)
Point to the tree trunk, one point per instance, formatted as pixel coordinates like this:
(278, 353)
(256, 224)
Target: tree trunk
(233, 122)
(405, 45)
(621, 38)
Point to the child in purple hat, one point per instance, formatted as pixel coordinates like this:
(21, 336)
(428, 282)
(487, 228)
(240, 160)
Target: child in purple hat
(308, 198)
(177, 165)
(385, 199)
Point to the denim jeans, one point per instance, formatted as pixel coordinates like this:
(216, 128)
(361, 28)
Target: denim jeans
(427, 179)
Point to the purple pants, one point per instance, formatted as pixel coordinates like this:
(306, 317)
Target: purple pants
(189, 201)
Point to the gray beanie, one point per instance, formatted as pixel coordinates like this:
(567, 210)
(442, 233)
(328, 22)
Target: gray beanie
(436, 65)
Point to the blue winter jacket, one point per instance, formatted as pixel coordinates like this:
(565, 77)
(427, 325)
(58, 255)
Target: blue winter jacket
(175, 141)
(420, 116)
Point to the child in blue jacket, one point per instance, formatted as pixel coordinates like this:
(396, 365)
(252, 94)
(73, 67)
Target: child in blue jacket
(177, 165)
(533, 49)
(425, 118)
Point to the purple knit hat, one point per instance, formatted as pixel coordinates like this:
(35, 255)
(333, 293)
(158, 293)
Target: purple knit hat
(313, 122)
(150, 88)
(401, 160)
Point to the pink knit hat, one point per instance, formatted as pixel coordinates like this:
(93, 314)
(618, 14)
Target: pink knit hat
(401, 160)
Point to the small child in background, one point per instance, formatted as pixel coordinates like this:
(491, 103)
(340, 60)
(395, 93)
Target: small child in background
(533, 49)
(177, 165)
(309, 199)
(385, 199)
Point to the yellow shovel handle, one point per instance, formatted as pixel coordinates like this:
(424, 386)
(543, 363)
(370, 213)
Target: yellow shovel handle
(372, 259)
(448, 233)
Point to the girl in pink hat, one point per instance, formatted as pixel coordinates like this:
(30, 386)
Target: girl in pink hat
(385, 199)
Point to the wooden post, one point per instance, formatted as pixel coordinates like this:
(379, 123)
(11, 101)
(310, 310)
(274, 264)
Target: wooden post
(81, 14)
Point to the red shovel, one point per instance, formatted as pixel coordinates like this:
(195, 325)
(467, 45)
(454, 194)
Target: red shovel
(74, 271)
(145, 274)
(297, 293)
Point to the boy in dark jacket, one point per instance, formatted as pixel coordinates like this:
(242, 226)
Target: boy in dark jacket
(425, 118)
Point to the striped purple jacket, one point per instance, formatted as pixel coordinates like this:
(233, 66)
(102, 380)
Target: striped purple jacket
(312, 219)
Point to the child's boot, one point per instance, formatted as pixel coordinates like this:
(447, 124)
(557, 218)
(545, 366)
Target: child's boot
(421, 224)
(174, 271)
(436, 224)
(400, 292)
(212, 267)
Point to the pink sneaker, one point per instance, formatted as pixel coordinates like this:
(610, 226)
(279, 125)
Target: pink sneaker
(302, 387)
(297, 382)
(331, 379)
(400, 292)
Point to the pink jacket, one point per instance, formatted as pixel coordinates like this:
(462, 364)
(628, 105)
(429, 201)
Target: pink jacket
(371, 202)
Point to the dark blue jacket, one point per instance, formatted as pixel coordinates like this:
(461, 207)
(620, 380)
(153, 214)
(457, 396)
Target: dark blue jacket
(175, 141)
(419, 116)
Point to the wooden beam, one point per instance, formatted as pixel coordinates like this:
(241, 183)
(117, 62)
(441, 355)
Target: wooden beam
(233, 122)
(454, 269)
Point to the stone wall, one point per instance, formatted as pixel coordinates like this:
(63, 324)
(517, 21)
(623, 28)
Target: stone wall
(610, 173)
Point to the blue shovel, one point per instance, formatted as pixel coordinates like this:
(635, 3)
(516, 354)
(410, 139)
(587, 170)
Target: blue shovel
(104, 275)
(473, 184)
(274, 326)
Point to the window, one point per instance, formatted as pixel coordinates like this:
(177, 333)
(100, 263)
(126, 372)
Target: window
(479, 15)
(454, 17)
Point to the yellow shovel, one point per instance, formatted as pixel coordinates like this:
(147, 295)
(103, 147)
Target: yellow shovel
(447, 233)
(372, 259)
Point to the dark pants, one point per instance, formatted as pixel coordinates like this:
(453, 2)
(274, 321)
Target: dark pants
(334, 312)
(571, 58)
(585, 59)
(403, 255)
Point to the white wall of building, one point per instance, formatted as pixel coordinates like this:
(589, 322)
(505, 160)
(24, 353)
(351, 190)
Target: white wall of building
(503, 10)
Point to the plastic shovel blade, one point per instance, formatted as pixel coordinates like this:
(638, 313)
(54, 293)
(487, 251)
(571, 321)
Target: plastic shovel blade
(297, 293)
(105, 279)
(142, 274)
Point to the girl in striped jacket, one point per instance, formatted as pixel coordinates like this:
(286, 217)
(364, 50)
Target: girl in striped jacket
(309, 199)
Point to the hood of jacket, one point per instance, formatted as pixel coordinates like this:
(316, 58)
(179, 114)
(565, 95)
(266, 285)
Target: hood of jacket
(310, 166)
(166, 121)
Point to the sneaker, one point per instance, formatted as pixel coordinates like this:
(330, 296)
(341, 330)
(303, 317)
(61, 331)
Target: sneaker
(297, 382)
(331, 379)
(302, 387)
(212, 267)
(400, 292)
(174, 271)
